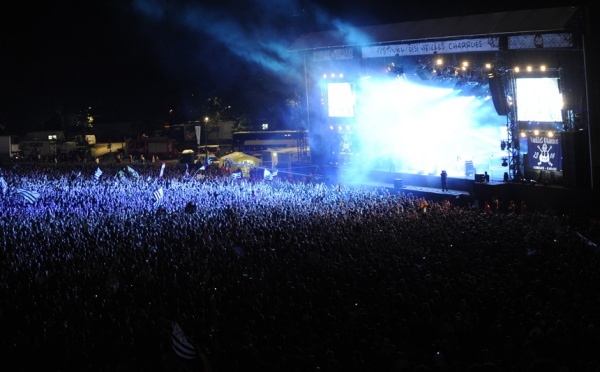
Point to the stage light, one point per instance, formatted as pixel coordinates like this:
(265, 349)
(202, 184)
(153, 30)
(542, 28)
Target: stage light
(536, 132)
(504, 162)
(529, 68)
(517, 69)
(551, 134)
(424, 73)
(508, 145)
(542, 68)
(523, 134)
(395, 71)
(502, 145)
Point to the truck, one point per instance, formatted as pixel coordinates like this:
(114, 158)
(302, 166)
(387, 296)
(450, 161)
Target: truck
(67, 147)
(85, 139)
(212, 151)
(35, 150)
(162, 147)
(8, 147)
(188, 156)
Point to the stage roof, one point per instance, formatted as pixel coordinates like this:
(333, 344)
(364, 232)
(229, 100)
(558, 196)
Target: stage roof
(512, 22)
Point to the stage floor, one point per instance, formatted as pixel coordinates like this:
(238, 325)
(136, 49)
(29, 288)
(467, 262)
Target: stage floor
(415, 189)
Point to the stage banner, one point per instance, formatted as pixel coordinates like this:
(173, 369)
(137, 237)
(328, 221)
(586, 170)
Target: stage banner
(544, 153)
(487, 44)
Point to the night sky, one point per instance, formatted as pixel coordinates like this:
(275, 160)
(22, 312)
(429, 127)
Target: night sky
(136, 60)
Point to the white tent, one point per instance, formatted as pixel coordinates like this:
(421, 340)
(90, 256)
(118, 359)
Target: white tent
(240, 160)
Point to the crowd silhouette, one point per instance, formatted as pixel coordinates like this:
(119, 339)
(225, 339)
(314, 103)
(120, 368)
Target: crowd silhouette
(284, 275)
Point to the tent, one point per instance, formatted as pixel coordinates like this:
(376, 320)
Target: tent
(240, 160)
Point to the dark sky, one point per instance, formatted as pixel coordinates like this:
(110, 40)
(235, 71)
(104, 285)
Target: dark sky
(137, 59)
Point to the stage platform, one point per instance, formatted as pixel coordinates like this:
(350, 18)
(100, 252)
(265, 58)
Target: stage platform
(538, 197)
(415, 189)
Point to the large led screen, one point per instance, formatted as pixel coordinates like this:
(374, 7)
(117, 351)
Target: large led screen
(539, 99)
(341, 100)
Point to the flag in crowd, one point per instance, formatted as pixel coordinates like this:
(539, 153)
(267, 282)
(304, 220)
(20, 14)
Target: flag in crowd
(236, 175)
(98, 173)
(182, 346)
(132, 171)
(162, 170)
(4, 185)
(29, 195)
(158, 195)
(269, 175)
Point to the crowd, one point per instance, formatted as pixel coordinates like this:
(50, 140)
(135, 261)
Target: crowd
(284, 276)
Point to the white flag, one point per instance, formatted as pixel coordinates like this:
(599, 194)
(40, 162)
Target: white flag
(182, 346)
(4, 185)
(162, 170)
(132, 171)
(158, 195)
(198, 131)
(97, 174)
(29, 195)
(269, 175)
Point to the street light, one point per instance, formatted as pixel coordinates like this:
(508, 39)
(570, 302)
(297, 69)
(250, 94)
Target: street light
(206, 120)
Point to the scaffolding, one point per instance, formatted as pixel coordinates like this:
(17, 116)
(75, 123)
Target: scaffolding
(303, 150)
(512, 145)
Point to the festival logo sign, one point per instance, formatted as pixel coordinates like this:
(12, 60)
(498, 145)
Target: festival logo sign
(544, 153)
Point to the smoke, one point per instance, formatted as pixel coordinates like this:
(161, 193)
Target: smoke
(221, 35)
(218, 41)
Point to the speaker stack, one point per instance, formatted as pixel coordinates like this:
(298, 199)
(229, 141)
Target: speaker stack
(498, 94)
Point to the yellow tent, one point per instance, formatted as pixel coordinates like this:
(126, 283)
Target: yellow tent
(238, 160)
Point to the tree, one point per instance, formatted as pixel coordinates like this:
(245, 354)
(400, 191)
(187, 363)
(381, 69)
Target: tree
(243, 123)
(296, 120)
(218, 112)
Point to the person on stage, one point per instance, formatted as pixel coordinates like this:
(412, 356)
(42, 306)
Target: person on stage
(444, 176)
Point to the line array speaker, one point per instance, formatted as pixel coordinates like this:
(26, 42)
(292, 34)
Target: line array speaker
(498, 95)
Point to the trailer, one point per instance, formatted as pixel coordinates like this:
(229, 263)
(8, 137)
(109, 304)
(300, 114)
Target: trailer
(8, 147)
(36, 150)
